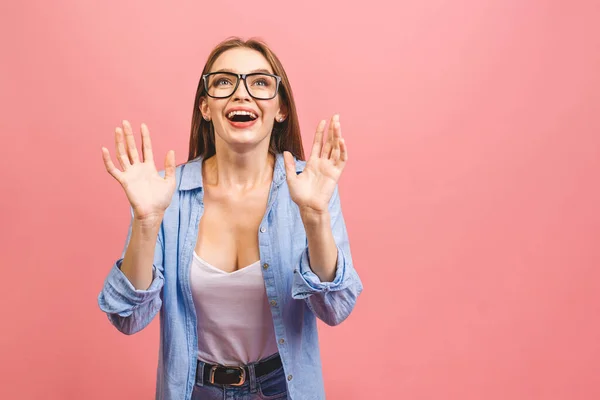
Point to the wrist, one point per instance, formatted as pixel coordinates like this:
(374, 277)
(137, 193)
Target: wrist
(149, 225)
(312, 217)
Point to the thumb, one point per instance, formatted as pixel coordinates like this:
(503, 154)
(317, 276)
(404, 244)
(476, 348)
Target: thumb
(170, 165)
(290, 165)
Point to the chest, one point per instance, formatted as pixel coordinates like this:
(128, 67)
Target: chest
(228, 229)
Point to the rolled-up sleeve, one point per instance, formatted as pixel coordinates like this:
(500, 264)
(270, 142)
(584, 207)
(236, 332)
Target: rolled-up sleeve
(129, 309)
(332, 302)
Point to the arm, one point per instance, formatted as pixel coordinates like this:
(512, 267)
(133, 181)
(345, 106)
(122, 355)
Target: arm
(131, 293)
(325, 276)
(322, 247)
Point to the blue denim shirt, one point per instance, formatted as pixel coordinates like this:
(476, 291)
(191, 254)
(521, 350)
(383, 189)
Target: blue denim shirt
(296, 294)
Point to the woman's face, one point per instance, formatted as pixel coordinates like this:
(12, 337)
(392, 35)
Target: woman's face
(241, 120)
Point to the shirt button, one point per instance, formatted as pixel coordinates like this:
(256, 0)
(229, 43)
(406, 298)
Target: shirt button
(265, 265)
(273, 303)
(281, 341)
(290, 377)
(263, 229)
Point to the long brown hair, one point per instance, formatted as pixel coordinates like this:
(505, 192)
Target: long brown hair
(285, 135)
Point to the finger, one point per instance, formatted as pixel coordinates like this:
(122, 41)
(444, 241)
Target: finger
(130, 142)
(335, 151)
(318, 141)
(338, 127)
(343, 151)
(329, 144)
(342, 142)
(110, 167)
(290, 166)
(146, 145)
(120, 148)
(170, 165)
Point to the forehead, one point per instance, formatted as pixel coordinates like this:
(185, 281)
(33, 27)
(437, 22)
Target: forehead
(241, 60)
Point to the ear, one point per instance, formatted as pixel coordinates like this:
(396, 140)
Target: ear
(281, 114)
(204, 109)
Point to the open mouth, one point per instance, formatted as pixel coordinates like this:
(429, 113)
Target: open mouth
(241, 116)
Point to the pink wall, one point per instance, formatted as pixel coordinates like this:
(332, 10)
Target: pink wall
(471, 194)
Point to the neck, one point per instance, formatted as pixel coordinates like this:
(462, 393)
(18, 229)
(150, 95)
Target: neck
(245, 170)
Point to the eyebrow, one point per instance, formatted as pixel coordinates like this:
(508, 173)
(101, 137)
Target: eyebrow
(266, 71)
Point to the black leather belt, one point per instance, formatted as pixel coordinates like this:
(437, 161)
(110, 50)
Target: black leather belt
(236, 376)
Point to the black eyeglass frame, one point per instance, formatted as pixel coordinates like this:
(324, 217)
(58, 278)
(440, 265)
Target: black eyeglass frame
(239, 78)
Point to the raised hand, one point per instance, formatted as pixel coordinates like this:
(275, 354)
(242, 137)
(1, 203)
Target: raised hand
(148, 193)
(312, 189)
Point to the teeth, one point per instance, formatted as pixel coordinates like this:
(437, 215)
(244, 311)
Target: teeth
(231, 114)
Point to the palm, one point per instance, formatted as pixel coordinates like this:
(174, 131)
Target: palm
(148, 193)
(146, 190)
(312, 189)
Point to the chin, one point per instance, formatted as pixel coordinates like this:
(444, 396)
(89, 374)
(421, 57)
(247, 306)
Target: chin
(244, 139)
(251, 133)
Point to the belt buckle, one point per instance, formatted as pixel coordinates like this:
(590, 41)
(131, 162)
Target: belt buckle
(213, 369)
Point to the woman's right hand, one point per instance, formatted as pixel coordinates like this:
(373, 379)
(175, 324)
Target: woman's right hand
(148, 193)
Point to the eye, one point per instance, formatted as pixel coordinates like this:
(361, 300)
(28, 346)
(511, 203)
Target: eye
(222, 82)
(261, 82)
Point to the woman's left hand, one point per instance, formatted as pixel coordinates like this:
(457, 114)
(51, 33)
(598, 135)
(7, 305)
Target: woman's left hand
(312, 189)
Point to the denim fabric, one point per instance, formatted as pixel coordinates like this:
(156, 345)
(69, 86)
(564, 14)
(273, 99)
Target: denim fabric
(296, 294)
(271, 386)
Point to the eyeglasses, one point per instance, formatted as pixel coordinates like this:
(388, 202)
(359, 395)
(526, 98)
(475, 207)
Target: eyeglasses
(260, 86)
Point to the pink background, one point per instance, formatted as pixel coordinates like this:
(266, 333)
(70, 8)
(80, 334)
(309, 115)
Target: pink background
(471, 194)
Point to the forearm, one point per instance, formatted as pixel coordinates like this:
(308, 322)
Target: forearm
(322, 248)
(139, 256)
(325, 277)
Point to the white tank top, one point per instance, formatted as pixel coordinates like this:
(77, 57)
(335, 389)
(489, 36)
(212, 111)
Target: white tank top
(235, 325)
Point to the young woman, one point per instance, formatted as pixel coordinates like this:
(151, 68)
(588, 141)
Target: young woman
(241, 248)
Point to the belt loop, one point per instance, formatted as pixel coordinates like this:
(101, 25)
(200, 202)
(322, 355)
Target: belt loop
(200, 373)
(253, 385)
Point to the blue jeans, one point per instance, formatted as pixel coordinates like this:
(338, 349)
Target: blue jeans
(271, 386)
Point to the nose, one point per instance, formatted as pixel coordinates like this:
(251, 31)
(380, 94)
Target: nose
(241, 93)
